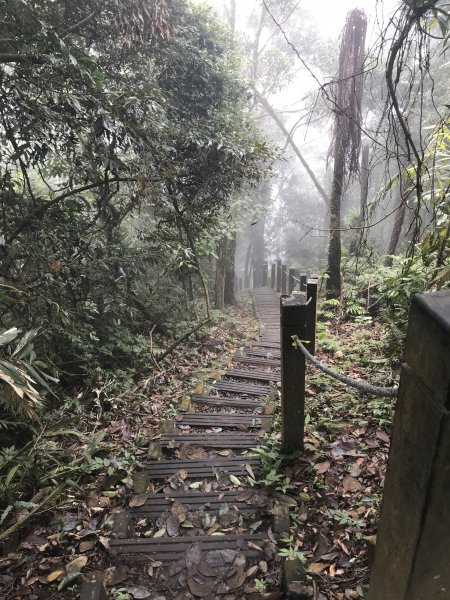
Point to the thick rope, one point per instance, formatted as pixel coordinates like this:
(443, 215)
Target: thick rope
(365, 388)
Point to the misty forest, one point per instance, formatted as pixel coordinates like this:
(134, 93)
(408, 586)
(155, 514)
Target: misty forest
(168, 170)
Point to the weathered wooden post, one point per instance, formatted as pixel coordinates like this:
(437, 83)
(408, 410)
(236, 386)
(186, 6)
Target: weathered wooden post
(272, 276)
(293, 319)
(311, 314)
(291, 281)
(303, 278)
(412, 555)
(283, 279)
(279, 276)
(265, 274)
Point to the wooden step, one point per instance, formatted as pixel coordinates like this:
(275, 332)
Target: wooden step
(224, 420)
(211, 440)
(198, 469)
(262, 354)
(223, 401)
(194, 501)
(257, 362)
(173, 548)
(256, 375)
(242, 388)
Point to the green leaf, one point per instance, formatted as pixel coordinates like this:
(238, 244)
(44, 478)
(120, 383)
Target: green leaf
(9, 335)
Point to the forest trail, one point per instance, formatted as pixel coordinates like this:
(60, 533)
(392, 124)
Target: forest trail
(214, 532)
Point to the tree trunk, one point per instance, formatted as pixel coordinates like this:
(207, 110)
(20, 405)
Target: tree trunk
(396, 230)
(230, 258)
(334, 249)
(258, 252)
(219, 295)
(247, 265)
(364, 194)
(268, 108)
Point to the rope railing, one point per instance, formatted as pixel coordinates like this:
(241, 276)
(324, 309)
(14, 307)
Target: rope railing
(365, 388)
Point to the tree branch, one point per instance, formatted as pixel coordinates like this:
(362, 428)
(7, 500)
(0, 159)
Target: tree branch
(294, 147)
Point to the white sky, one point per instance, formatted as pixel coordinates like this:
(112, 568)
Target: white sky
(330, 14)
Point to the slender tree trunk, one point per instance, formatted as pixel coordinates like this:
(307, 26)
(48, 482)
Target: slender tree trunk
(334, 249)
(397, 227)
(247, 265)
(364, 179)
(230, 259)
(364, 194)
(268, 108)
(258, 252)
(219, 301)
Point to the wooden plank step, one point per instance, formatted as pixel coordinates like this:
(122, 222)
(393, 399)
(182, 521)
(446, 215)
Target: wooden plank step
(256, 375)
(222, 401)
(262, 354)
(256, 361)
(226, 420)
(194, 501)
(197, 469)
(173, 548)
(211, 440)
(242, 388)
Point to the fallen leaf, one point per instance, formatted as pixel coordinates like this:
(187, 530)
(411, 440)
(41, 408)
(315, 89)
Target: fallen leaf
(86, 546)
(179, 511)
(54, 575)
(138, 500)
(383, 436)
(250, 471)
(317, 567)
(139, 592)
(322, 467)
(251, 571)
(69, 580)
(193, 555)
(160, 533)
(76, 565)
(172, 526)
(350, 484)
(201, 586)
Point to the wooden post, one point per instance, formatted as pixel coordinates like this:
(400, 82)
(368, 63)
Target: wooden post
(293, 318)
(279, 276)
(412, 554)
(283, 280)
(311, 314)
(303, 280)
(272, 275)
(240, 284)
(265, 274)
(291, 284)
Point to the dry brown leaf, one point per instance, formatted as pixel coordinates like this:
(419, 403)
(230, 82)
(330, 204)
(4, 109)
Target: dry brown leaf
(179, 510)
(322, 467)
(86, 546)
(54, 575)
(138, 500)
(317, 567)
(350, 484)
(76, 565)
(383, 436)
